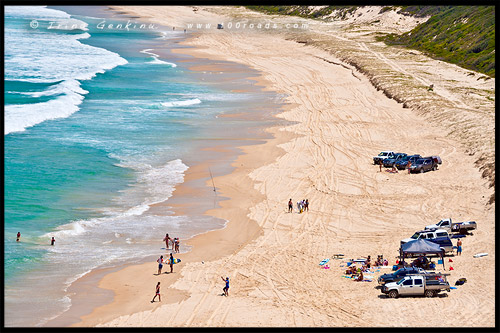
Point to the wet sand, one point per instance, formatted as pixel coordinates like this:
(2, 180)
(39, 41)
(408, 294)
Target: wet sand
(336, 121)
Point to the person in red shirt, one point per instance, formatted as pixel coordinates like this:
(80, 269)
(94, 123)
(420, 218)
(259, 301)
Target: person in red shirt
(160, 264)
(157, 293)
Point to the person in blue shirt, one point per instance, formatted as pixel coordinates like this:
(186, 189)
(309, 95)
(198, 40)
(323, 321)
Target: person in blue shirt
(226, 288)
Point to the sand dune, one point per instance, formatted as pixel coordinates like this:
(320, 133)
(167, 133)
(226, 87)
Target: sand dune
(341, 121)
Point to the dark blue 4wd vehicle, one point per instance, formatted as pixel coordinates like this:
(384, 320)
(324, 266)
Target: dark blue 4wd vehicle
(389, 162)
(399, 274)
(423, 164)
(402, 163)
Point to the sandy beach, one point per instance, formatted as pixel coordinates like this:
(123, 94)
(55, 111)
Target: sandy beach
(348, 97)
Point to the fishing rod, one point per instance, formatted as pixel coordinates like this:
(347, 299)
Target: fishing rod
(213, 184)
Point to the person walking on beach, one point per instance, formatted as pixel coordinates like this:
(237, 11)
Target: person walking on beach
(18, 236)
(157, 293)
(380, 164)
(52, 241)
(290, 206)
(166, 239)
(459, 247)
(226, 288)
(409, 166)
(171, 263)
(306, 205)
(160, 264)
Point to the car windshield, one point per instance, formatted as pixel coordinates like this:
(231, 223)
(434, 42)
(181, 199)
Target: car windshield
(415, 235)
(404, 159)
(420, 161)
(400, 282)
(382, 154)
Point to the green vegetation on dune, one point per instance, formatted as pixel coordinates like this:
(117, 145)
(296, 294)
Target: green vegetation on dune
(306, 11)
(462, 35)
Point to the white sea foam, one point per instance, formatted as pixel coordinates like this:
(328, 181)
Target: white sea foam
(157, 183)
(54, 57)
(18, 117)
(155, 59)
(34, 12)
(217, 97)
(49, 57)
(181, 103)
(169, 34)
(63, 87)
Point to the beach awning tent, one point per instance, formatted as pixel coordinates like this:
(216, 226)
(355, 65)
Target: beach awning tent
(421, 246)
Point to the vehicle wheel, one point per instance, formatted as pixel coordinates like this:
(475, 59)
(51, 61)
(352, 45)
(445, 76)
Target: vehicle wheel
(434, 168)
(429, 293)
(422, 170)
(393, 294)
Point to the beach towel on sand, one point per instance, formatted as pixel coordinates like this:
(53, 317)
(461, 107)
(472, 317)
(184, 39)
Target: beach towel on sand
(324, 261)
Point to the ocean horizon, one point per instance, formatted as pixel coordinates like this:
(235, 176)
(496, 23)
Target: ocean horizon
(102, 122)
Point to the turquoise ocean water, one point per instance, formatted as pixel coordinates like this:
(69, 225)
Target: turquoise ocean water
(100, 124)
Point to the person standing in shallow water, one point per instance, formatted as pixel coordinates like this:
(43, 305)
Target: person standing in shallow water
(52, 241)
(18, 236)
(166, 239)
(176, 244)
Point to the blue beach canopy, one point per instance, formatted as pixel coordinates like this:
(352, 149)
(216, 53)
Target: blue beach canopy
(421, 246)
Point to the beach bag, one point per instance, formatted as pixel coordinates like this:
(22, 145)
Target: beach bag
(460, 281)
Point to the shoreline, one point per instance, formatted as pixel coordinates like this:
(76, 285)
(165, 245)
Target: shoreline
(195, 185)
(358, 210)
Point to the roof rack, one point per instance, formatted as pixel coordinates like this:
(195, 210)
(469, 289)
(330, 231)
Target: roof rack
(430, 274)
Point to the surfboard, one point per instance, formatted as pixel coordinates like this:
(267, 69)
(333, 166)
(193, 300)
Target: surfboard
(176, 261)
(324, 261)
(480, 255)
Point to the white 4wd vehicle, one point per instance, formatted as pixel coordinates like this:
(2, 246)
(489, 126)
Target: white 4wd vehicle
(383, 155)
(428, 285)
(438, 236)
(462, 227)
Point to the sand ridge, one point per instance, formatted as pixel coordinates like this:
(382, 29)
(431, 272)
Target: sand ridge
(341, 121)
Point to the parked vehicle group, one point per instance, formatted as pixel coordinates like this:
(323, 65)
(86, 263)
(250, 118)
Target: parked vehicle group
(442, 232)
(416, 163)
(412, 279)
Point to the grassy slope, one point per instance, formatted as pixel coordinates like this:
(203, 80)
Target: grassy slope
(463, 35)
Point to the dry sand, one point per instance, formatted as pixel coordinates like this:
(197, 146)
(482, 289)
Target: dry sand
(342, 120)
